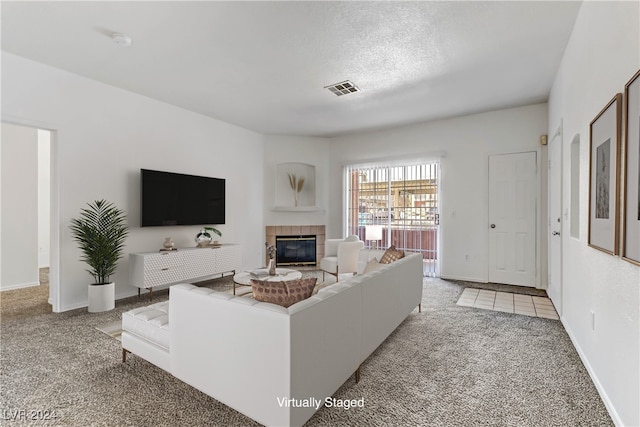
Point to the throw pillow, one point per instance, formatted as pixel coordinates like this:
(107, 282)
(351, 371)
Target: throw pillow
(284, 293)
(372, 265)
(390, 255)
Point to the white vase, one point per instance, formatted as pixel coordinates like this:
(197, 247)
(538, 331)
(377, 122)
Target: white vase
(272, 267)
(168, 243)
(102, 297)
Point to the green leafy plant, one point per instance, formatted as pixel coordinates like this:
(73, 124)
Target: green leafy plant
(214, 230)
(100, 232)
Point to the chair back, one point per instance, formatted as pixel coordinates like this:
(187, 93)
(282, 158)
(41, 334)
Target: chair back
(348, 254)
(331, 247)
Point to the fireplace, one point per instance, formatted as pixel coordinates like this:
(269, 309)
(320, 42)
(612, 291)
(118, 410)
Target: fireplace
(295, 250)
(296, 231)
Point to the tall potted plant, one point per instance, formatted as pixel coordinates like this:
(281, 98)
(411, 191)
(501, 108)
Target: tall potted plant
(100, 232)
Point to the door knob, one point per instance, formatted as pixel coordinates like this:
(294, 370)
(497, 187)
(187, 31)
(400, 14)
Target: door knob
(556, 233)
(492, 226)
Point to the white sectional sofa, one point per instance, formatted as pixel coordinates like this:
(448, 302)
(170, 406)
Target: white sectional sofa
(252, 356)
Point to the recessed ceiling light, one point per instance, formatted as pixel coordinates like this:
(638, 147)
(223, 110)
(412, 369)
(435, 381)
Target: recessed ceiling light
(343, 88)
(122, 39)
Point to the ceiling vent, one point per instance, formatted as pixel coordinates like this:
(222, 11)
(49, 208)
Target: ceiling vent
(343, 88)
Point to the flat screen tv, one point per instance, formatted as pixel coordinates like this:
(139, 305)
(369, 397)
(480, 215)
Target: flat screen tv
(176, 199)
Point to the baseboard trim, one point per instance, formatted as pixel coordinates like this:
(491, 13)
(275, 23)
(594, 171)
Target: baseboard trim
(118, 297)
(603, 394)
(130, 294)
(20, 286)
(464, 279)
(143, 292)
(74, 306)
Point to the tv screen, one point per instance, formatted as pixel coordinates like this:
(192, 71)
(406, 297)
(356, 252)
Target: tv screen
(176, 199)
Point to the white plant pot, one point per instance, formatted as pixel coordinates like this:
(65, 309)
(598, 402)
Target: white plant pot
(102, 297)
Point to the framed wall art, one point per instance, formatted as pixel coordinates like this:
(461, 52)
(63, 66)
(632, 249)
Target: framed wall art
(604, 179)
(631, 227)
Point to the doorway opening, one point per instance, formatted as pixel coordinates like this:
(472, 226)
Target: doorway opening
(25, 219)
(575, 187)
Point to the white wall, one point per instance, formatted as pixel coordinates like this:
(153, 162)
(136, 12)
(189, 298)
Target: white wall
(602, 55)
(467, 142)
(296, 149)
(44, 194)
(104, 135)
(19, 176)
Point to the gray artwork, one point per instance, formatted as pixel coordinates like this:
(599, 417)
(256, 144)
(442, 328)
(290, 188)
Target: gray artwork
(639, 172)
(603, 169)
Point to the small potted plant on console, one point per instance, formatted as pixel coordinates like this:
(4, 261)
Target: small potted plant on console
(204, 239)
(100, 232)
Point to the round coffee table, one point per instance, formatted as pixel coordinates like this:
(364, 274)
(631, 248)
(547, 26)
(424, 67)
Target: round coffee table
(282, 275)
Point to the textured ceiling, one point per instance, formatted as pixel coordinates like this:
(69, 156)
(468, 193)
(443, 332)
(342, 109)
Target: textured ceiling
(264, 65)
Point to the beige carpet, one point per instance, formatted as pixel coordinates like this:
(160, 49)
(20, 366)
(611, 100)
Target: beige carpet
(446, 366)
(27, 302)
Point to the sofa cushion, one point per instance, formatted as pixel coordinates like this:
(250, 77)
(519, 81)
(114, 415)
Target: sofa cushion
(372, 265)
(390, 255)
(284, 293)
(149, 322)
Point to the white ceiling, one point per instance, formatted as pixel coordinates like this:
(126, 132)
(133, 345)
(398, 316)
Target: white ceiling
(264, 65)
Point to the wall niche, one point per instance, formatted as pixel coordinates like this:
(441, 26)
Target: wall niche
(288, 181)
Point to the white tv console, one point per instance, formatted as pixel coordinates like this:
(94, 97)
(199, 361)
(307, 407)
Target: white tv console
(150, 269)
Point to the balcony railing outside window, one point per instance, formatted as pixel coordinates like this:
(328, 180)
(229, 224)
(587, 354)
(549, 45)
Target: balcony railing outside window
(401, 198)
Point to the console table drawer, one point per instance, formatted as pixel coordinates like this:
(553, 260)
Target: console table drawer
(163, 276)
(163, 260)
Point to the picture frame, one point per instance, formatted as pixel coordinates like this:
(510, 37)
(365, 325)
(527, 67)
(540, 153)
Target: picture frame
(631, 216)
(604, 177)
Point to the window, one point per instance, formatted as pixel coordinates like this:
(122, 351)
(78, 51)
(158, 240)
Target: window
(403, 199)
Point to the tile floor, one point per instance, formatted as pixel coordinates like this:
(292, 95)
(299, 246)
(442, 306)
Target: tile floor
(508, 302)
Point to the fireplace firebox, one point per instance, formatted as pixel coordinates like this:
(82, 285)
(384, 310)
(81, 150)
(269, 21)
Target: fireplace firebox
(295, 250)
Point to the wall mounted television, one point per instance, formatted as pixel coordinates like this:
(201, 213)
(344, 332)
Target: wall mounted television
(176, 199)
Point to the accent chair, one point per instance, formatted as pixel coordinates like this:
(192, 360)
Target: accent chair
(341, 256)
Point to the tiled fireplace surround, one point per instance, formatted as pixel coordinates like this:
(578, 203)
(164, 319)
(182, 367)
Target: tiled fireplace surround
(297, 230)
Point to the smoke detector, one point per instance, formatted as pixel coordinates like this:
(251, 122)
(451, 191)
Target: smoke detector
(343, 88)
(122, 39)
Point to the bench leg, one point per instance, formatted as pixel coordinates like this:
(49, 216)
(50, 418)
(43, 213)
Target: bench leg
(420, 308)
(124, 355)
(358, 375)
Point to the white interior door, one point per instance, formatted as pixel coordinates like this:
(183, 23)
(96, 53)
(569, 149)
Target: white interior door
(512, 218)
(554, 288)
